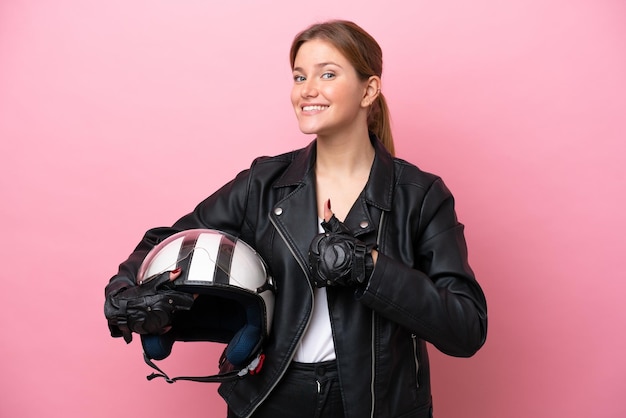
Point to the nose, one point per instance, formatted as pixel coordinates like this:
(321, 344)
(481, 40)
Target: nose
(308, 89)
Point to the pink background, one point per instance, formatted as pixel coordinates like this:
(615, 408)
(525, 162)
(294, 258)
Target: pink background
(121, 115)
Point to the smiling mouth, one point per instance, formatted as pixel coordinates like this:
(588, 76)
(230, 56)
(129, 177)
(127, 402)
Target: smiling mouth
(313, 108)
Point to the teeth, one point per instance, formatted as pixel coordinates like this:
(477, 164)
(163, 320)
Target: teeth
(311, 108)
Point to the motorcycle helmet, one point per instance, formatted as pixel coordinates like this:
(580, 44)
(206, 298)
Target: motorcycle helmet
(234, 300)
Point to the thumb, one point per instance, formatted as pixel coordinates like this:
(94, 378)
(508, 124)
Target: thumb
(175, 273)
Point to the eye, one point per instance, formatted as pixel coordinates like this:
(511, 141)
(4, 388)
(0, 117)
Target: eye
(328, 76)
(298, 78)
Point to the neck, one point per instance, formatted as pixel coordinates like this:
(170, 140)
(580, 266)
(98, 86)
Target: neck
(347, 154)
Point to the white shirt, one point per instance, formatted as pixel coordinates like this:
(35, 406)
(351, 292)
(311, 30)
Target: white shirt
(317, 343)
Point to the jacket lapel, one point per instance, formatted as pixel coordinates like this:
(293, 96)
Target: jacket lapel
(376, 196)
(295, 214)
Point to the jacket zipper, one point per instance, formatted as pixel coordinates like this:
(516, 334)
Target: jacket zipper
(306, 273)
(373, 391)
(417, 363)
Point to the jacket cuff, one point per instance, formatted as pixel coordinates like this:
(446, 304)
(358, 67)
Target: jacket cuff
(375, 271)
(116, 285)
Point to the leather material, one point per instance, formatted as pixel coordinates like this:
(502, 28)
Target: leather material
(336, 258)
(146, 309)
(422, 287)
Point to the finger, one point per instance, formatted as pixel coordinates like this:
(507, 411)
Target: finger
(174, 274)
(328, 213)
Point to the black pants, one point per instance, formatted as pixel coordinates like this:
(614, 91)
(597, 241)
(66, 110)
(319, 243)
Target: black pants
(306, 391)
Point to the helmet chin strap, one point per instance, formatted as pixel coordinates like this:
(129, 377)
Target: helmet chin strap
(232, 374)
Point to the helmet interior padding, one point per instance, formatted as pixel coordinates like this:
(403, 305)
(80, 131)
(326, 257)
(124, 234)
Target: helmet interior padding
(233, 317)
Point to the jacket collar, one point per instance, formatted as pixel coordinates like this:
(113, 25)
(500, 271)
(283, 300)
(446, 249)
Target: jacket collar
(379, 187)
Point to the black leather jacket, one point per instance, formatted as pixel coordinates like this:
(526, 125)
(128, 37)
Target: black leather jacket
(422, 288)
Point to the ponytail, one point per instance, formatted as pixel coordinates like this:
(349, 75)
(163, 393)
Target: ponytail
(379, 122)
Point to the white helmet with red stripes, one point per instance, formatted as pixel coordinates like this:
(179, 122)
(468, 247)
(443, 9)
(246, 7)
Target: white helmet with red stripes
(235, 300)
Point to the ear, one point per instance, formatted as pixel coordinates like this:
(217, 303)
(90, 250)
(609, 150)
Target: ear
(372, 90)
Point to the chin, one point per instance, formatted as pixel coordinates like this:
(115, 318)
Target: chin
(309, 130)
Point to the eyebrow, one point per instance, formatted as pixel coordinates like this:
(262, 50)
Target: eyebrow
(320, 65)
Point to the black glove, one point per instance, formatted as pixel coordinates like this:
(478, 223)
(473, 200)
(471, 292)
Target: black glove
(146, 309)
(336, 258)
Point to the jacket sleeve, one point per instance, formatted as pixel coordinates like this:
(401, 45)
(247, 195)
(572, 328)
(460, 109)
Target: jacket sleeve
(438, 298)
(223, 210)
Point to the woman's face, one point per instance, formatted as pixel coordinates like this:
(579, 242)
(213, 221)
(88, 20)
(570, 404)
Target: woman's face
(327, 94)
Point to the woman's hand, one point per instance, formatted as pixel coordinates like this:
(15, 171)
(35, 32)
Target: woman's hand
(147, 308)
(328, 213)
(336, 257)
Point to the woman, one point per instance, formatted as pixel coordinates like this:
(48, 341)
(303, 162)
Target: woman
(349, 336)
